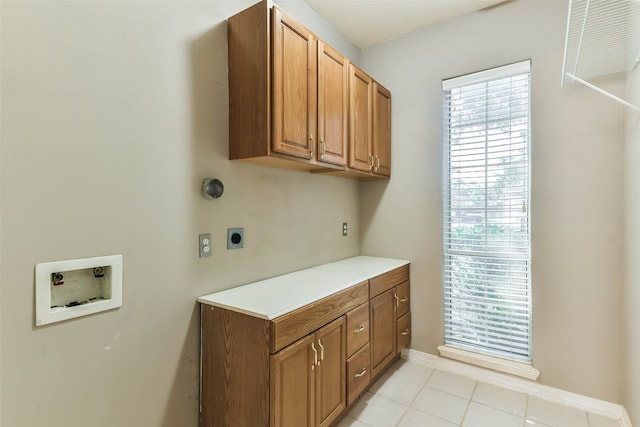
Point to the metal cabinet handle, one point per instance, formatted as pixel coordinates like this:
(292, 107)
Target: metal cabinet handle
(371, 164)
(377, 163)
(315, 355)
(361, 373)
(360, 329)
(397, 299)
(405, 332)
(405, 299)
(313, 145)
(323, 148)
(321, 352)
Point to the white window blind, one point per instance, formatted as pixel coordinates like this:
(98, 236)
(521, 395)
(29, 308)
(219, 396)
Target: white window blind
(486, 253)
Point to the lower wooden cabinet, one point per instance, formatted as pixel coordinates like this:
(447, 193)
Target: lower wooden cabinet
(331, 390)
(293, 384)
(390, 321)
(308, 379)
(304, 368)
(382, 318)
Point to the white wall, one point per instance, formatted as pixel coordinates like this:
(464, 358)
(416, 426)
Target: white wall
(632, 253)
(577, 195)
(112, 114)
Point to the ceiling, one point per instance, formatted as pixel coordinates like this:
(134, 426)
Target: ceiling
(368, 22)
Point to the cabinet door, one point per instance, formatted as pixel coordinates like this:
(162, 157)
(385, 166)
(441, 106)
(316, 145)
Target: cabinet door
(382, 319)
(333, 98)
(381, 130)
(360, 144)
(331, 387)
(292, 385)
(294, 87)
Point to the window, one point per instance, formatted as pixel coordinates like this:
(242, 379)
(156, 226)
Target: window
(486, 240)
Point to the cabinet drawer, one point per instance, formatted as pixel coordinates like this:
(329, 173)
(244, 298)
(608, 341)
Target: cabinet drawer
(295, 325)
(358, 373)
(357, 328)
(402, 301)
(386, 281)
(403, 332)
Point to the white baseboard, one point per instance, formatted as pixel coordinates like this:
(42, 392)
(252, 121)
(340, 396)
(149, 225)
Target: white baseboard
(625, 421)
(584, 403)
(493, 363)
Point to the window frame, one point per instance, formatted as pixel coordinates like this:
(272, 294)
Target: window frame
(519, 68)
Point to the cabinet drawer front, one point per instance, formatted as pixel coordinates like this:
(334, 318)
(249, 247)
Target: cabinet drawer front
(386, 281)
(295, 325)
(357, 328)
(403, 333)
(402, 301)
(358, 373)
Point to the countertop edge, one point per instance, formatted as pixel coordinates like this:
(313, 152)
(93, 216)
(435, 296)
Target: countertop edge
(328, 267)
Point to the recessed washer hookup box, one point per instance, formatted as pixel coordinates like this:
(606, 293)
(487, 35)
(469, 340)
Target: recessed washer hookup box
(74, 288)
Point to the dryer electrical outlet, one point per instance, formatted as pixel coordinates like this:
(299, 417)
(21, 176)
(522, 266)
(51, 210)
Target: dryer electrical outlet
(235, 238)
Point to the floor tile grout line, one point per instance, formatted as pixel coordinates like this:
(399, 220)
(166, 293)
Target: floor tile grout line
(468, 403)
(424, 384)
(526, 409)
(416, 396)
(524, 413)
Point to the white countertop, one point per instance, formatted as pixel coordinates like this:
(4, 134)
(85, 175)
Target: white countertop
(271, 298)
(368, 266)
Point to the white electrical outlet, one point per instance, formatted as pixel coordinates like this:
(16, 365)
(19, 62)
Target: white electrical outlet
(205, 244)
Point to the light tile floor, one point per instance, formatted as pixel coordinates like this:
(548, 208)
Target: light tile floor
(412, 395)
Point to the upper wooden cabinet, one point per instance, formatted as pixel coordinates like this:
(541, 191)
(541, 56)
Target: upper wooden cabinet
(292, 100)
(333, 103)
(369, 124)
(294, 87)
(360, 114)
(381, 130)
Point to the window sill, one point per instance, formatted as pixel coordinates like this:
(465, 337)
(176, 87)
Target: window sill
(523, 370)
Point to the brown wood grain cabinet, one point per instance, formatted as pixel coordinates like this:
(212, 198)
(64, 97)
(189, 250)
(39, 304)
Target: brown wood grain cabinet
(294, 87)
(358, 373)
(369, 124)
(308, 379)
(389, 294)
(287, 93)
(360, 115)
(333, 104)
(294, 101)
(381, 133)
(358, 352)
(357, 328)
(305, 367)
(383, 331)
